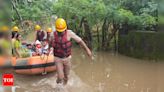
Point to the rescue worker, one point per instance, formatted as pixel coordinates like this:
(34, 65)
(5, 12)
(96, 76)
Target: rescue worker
(40, 34)
(49, 31)
(15, 31)
(48, 36)
(61, 42)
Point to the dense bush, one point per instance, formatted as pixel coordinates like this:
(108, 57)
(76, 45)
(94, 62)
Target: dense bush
(149, 45)
(102, 18)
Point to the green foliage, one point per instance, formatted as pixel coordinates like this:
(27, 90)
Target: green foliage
(147, 19)
(147, 45)
(125, 16)
(5, 13)
(133, 15)
(35, 10)
(137, 13)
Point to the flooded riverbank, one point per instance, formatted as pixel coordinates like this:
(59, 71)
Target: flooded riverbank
(107, 73)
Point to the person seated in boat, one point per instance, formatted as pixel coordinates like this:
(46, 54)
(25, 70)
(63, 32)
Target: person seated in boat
(45, 47)
(29, 46)
(15, 32)
(31, 49)
(13, 38)
(42, 48)
(17, 46)
(38, 48)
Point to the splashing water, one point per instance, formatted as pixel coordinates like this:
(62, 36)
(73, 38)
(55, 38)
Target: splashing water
(47, 83)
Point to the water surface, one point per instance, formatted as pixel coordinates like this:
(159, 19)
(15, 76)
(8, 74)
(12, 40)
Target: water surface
(107, 73)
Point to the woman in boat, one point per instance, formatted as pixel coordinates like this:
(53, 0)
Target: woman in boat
(17, 46)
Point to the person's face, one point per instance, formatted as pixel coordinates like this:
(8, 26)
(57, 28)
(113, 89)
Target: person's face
(19, 37)
(15, 35)
(44, 43)
(29, 47)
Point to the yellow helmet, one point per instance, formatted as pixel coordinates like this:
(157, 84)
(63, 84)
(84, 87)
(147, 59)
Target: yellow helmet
(37, 27)
(49, 30)
(15, 29)
(4, 28)
(60, 25)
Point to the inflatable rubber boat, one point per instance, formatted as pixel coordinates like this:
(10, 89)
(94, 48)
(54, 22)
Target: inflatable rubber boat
(29, 66)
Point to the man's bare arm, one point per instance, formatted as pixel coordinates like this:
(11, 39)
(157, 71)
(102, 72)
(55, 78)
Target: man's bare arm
(82, 43)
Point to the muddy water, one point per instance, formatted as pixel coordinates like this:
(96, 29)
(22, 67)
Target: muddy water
(107, 73)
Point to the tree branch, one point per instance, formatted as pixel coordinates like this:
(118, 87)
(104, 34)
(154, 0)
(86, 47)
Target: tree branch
(14, 6)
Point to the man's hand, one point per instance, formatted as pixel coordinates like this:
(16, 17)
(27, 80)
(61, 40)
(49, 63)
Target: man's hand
(89, 53)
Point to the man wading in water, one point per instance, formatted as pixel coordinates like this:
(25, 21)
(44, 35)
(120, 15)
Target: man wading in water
(62, 49)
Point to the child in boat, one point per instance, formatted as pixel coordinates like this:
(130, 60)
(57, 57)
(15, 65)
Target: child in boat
(45, 47)
(38, 48)
(41, 48)
(31, 49)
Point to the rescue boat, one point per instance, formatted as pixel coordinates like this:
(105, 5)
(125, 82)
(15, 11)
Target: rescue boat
(29, 66)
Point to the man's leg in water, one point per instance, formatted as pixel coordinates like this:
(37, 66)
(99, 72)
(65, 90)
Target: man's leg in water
(60, 73)
(67, 67)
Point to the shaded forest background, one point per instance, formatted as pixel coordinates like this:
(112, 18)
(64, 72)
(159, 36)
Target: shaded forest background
(98, 22)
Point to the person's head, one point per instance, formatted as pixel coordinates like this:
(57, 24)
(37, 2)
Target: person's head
(38, 44)
(37, 27)
(4, 32)
(49, 30)
(60, 25)
(29, 46)
(18, 37)
(44, 42)
(14, 34)
(4, 29)
(15, 29)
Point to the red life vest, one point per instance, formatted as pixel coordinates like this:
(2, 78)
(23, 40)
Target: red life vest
(62, 47)
(40, 35)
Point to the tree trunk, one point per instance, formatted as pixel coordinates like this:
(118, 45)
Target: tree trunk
(105, 33)
(98, 37)
(87, 34)
(81, 26)
(113, 35)
(115, 43)
(115, 29)
(81, 22)
(19, 16)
